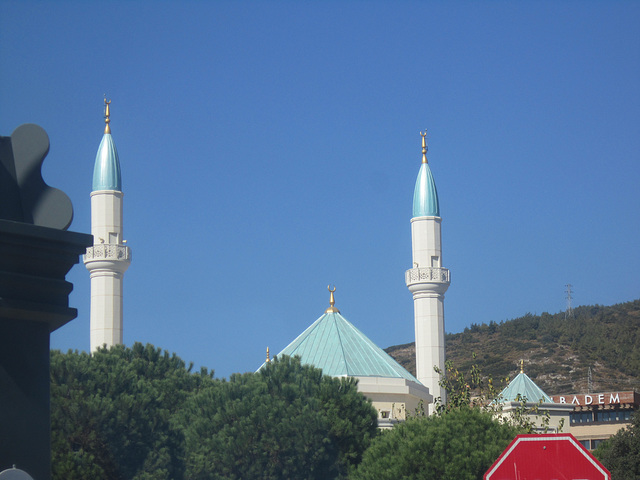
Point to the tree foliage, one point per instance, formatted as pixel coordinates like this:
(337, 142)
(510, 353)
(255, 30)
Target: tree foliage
(285, 421)
(471, 389)
(466, 389)
(621, 452)
(140, 414)
(111, 413)
(460, 445)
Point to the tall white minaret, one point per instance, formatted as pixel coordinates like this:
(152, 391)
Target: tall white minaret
(428, 280)
(109, 257)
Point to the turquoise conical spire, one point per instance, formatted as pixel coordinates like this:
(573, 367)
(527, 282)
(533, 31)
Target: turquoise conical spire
(335, 345)
(521, 388)
(106, 171)
(425, 195)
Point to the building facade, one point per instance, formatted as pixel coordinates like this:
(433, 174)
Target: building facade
(595, 417)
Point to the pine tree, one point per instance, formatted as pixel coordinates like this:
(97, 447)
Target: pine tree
(111, 413)
(621, 453)
(460, 445)
(286, 421)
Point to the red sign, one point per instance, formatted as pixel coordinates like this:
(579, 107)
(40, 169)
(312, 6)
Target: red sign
(553, 456)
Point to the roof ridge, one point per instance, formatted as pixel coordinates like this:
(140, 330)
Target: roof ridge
(380, 353)
(344, 355)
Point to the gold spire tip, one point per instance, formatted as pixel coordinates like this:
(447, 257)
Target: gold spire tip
(332, 301)
(107, 114)
(268, 357)
(522, 365)
(424, 146)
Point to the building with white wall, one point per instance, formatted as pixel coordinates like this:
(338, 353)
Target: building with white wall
(109, 257)
(428, 280)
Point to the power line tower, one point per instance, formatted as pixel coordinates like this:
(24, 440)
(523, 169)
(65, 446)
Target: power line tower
(568, 313)
(589, 382)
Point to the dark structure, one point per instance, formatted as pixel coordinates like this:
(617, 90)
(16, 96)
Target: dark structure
(36, 252)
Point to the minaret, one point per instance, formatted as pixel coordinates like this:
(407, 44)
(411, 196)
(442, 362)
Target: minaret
(428, 280)
(109, 257)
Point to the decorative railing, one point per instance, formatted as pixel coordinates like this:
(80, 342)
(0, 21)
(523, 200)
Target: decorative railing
(427, 274)
(108, 251)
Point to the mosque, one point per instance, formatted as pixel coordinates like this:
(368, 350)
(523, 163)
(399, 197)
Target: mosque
(546, 414)
(336, 346)
(332, 342)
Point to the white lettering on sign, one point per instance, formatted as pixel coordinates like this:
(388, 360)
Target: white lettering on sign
(608, 398)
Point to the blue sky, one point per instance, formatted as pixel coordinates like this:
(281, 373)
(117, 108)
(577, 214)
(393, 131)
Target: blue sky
(269, 149)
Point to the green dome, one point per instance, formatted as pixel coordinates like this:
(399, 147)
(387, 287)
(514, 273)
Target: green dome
(333, 344)
(525, 387)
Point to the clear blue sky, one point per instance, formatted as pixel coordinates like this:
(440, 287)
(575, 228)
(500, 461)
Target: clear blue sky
(271, 148)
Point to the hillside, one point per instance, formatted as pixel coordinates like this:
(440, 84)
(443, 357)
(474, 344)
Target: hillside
(557, 352)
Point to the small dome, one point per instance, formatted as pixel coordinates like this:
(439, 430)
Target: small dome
(523, 386)
(425, 195)
(106, 172)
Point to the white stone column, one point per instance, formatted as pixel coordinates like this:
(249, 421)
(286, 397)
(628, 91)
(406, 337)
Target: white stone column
(428, 281)
(107, 261)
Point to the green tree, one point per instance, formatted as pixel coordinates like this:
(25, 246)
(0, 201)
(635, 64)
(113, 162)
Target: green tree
(460, 445)
(621, 453)
(285, 421)
(473, 390)
(470, 389)
(111, 413)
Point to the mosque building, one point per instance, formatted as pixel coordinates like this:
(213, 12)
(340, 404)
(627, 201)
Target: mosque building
(547, 415)
(331, 343)
(109, 257)
(336, 346)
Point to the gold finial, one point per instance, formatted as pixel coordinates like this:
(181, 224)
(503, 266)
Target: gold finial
(424, 146)
(268, 358)
(522, 365)
(332, 301)
(107, 120)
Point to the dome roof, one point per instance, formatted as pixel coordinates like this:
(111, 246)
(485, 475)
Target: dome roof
(333, 344)
(425, 195)
(525, 387)
(106, 172)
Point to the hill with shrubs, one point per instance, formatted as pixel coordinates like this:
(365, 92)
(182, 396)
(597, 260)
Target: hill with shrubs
(558, 350)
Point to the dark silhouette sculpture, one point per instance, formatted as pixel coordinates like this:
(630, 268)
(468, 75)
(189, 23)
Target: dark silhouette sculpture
(36, 253)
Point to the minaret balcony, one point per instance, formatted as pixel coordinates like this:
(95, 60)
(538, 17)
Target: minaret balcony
(108, 252)
(427, 275)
